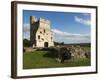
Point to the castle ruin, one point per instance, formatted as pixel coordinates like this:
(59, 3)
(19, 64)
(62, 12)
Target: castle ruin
(40, 32)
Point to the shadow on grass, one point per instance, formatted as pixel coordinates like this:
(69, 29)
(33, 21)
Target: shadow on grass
(51, 52)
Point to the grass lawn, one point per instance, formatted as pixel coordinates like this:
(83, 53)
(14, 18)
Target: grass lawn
(39, 59)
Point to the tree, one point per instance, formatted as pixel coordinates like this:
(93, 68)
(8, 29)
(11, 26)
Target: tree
(62, 43)
(26, 43)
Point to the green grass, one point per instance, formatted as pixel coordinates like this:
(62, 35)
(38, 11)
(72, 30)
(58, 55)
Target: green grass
(38, 59)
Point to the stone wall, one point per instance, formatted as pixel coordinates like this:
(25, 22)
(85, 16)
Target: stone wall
(43, 36)
(77, 52)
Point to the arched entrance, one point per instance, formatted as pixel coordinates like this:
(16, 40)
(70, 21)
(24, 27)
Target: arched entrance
(46, 44)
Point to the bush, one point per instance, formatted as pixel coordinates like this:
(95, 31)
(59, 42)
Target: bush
(64, 53)
(24, 50)
(26, 43)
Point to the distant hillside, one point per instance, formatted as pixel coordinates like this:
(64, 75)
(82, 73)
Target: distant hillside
(74, 44)
(82, 44)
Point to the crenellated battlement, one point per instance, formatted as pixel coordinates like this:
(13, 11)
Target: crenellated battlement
(34, 19)
(44, 20)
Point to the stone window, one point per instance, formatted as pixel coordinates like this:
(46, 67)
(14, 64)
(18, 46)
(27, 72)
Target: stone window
(38, 36)
(51, 38)
(44, 30)
(40, 32)
(42, 39)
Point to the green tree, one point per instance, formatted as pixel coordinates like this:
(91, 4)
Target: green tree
(26, 43)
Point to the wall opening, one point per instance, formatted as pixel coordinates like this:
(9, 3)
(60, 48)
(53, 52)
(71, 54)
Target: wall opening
(38, 36)
(46, 44)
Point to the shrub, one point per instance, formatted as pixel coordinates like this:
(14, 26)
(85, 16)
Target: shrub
(26, 43)
(64, 53)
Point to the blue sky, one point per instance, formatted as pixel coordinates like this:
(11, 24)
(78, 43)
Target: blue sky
(68, 27)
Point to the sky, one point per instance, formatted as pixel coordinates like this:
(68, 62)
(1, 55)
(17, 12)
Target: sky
(67, 27)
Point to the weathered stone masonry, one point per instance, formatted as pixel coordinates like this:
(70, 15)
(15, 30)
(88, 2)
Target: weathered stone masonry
(40, 32)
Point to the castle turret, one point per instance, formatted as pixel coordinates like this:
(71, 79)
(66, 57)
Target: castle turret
(40, 32)
(33, 19)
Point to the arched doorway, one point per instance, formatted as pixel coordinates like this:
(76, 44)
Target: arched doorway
(46, 44)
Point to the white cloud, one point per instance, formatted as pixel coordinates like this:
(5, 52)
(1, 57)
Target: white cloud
(26, 27)
(82, 21)
(26, 31)
(60, 32)
(26, 35)
(67, 33)
(66, 37)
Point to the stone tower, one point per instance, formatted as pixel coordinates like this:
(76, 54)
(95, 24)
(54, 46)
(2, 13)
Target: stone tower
(40, 32)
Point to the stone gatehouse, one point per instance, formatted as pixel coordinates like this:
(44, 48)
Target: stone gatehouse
(40, 32)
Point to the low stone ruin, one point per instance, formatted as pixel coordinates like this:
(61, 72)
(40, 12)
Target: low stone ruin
(77, 52)
(73, 52)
